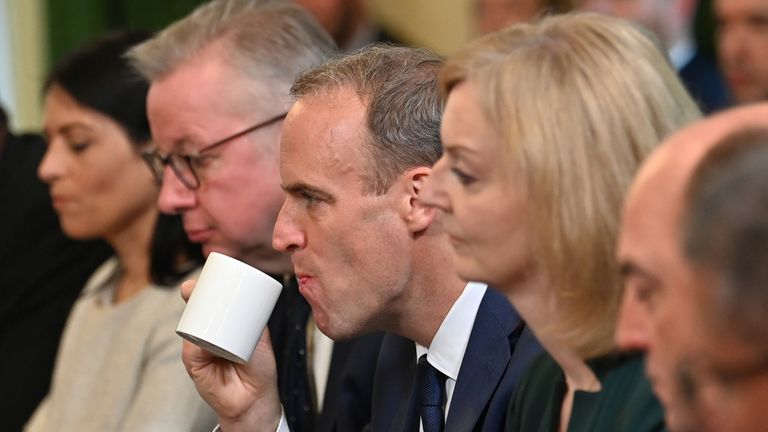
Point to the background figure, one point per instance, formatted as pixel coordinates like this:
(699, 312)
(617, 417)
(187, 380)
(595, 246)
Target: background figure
(219, 92)
(41, 274)
(726, 236)
(493, 15)
(348, 22)
(534, 210)
(672, 22)
(658, 311)
(742, 42)
(118, 364)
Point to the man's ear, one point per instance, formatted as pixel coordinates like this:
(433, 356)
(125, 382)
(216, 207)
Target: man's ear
(417, 216)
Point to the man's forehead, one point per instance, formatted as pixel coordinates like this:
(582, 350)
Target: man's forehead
(211, 78)
(185, 112)
(656, 195)
(651, 226)
(664, 176)
(323, 134)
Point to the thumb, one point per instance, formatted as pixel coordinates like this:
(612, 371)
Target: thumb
(187, 287)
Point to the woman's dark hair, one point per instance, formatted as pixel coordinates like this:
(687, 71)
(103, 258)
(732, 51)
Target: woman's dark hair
(172, 254)
(99, 77)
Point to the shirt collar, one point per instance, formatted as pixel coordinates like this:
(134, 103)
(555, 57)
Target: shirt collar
(450, 342)
(681, 53)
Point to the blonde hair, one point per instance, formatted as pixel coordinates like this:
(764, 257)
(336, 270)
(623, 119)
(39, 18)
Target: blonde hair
(579, 100)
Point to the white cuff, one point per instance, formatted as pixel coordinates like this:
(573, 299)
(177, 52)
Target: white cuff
(281, 427)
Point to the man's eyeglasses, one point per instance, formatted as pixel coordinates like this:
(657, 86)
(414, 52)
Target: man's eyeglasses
(187, 167)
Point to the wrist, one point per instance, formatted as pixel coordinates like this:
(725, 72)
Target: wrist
(261, 417)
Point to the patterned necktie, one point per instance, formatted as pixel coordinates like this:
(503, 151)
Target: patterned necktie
(431, 388)
(296, 388)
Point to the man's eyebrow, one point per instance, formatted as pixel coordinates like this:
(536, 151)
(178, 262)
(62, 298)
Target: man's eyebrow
(458, 149)
(182, 146)
(301, 188)
(629, 268)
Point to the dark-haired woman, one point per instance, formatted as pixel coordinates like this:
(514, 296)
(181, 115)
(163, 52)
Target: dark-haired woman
(119, 364)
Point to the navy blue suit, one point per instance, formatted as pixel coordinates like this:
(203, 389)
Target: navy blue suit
(500, 347)
(704, 82)
(347, 404)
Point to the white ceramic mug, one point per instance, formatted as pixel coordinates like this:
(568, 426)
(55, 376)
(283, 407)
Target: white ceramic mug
(229, 308)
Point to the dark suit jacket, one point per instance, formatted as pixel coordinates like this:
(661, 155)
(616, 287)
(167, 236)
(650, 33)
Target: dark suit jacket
(705, 83)
(347, 400)
(347, 403)
(500, 347)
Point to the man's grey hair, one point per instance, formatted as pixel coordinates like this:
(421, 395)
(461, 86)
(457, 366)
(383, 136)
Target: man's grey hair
(399, 89)
(726, 232)
(263, 39)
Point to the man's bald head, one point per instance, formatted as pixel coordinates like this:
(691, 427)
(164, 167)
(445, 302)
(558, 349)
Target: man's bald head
(657, 314)
(726, 243)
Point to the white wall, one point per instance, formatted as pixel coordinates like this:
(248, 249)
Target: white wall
(7, 79)
(22, 61)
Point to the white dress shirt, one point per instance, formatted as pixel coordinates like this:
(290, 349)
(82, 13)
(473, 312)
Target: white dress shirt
(681, 53)
(446, 352)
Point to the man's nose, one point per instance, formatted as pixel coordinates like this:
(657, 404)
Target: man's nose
(633, 324)
(174, 196)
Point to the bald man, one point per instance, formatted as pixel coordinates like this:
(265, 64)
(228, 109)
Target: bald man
(658, 314)
(726, 242)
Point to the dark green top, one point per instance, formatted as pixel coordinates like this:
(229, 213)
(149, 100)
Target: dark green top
(625, 403)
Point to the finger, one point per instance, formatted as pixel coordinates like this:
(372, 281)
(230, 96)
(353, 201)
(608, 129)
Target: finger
(194, 357)
(187, 287)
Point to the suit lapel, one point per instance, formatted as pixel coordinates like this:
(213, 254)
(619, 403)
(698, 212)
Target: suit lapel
(394, 386)
(485, 362)
(326, 418)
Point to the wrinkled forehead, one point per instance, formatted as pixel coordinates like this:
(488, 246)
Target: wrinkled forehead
(325, 133)
(209, 84)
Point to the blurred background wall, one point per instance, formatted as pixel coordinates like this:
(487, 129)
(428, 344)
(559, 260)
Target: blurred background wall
(23, 58)
(35, 32)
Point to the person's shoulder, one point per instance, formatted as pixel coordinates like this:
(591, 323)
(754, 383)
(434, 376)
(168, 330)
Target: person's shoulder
(543, 368)
(101, 277)
(167, 298)
(533, 402)
(629, 392)
(539, 379)
(495, 306)
(619, 367)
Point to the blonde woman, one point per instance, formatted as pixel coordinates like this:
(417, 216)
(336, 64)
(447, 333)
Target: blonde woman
(545, 125)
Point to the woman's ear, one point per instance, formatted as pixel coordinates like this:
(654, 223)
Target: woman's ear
(418, 217)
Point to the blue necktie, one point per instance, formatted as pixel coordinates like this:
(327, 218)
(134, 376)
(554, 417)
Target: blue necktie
(431, 387)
